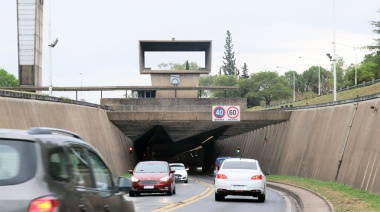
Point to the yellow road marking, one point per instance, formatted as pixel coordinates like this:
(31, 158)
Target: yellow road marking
(175, 205)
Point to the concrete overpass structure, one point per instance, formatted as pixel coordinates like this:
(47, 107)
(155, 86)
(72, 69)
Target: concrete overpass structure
(165, 128)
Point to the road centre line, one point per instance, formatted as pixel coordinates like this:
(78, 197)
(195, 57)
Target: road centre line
(173, 206)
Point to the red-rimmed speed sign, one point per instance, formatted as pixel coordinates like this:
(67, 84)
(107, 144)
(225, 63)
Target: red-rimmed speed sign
(233, 112)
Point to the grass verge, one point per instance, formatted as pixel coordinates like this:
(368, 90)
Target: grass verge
(343, 198)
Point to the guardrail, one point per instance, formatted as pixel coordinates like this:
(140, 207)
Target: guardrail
(363, 84)
(24, 95)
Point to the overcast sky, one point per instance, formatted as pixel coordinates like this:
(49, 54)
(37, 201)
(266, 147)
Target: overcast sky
(100, 38)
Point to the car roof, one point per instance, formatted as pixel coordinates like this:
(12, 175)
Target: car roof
(241, 159)
(153, 161)
(43, 135)
(218, 158)
(170, 164)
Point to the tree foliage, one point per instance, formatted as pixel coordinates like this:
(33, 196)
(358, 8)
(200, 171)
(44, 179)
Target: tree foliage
(179, 66)
(244, 73)
(7, 79)
(376, 30)
(229, 60)
(270, 86)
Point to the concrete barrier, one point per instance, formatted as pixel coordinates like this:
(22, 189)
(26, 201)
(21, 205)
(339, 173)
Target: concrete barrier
(339, 143)
(89, 122)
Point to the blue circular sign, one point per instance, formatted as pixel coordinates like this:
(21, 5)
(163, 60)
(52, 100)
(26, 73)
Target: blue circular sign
(219, 112)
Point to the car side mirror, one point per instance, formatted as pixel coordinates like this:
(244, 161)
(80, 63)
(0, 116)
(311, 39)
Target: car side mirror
(130, 171)
(187, 169)
(266, 173)
(172, 171)
(124, 184)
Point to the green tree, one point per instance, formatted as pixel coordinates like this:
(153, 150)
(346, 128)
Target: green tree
(244, 71)
(376, 30)
(270, 86)
(229, 67)
(367, 69)
(376, 49)
(206, 80)
(7, 79)
(179, 66)
(247, 89)
(225, 80)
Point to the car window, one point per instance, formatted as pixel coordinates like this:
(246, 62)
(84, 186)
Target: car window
(101, 172)
(57, 165)
(177, 167)
(79, 167)
(151, 167)
(18, 161)
(240, 165)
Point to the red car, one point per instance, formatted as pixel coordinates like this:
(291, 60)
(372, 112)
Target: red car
(152, 177)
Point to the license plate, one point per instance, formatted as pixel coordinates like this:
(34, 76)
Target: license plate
(148, 187)
(239, 187)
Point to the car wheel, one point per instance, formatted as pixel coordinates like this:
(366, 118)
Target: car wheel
(131, 194)
(219, 197)
(262, 198)
(186, 181)
(138, 194)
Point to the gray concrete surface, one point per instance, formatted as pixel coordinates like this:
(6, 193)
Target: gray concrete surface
(307, 200)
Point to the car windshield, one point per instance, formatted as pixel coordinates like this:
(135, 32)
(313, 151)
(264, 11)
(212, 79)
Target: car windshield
(151, 167)
(17, 161)
(240, 165)
(177, 167)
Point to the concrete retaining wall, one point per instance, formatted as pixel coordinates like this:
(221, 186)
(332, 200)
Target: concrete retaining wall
(313, 142)
(91, 123)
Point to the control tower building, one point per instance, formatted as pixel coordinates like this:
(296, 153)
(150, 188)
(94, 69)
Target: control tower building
(29, 34)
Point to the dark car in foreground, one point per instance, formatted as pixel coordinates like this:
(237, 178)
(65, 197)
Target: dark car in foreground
(51, 170)
(152, 177)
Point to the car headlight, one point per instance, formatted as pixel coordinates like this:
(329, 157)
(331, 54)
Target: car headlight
(134, 179)
(164, 179)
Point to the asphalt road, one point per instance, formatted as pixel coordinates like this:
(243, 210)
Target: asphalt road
(198, 195)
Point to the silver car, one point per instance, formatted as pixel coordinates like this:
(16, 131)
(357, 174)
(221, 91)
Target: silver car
(240, 177)
(51, 170)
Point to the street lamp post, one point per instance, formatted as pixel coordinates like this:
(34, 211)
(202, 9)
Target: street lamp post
(52, 45)
(356, 59)
(334, 52)
(319, 73)
(294, 82)
(81, 87)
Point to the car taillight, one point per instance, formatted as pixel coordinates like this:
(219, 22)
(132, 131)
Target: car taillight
(44, 204)
(221, 176)
(257, 177)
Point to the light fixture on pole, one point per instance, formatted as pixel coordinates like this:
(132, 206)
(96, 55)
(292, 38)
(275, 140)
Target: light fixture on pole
(319, 73)
(294, 82)
(52, 45)
(356, 59)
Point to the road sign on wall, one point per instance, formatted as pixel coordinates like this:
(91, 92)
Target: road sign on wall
(225, 113)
